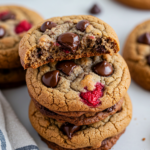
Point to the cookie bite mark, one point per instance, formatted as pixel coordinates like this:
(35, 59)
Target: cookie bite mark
(50, 79)
(144, 38)
(6, 15)
(23, 26)
(92, 98)
(66, 66)
(69, 129)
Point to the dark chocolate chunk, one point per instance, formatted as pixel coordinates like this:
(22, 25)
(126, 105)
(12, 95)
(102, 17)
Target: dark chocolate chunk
(2, 32)
(50, 79)
(8, 16)
(69, 41)
(66, 66)
(101, 49)
(39, 52)
(47, 25)
(103, 69)
(95, 9)
(69, 129)
(82, 25)
(144, 38)
(148, 60)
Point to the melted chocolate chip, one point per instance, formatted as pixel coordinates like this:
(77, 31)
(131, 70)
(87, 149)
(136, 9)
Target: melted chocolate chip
(82, 25)
(8, 16)
(103, 69)
(66, 66)
(69, 129)
(47, 25)
(110, 109)
(2, 32)
(95, 9)
(144, 38)
(69, 41)
(101, 49)
(5, 71)
(39, 53)
(148, 60)
(50, 79)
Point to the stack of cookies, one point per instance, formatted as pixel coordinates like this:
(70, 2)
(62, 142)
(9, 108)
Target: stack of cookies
(77, 82)
(14, 22)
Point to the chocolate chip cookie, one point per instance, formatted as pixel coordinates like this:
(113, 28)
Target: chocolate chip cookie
(102, 134)
(14, 22)
(66, 38)
(10, 78)
(83, 85)
(137, 54)
(140, 4)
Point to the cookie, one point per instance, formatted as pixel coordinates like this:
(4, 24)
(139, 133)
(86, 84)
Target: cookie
(107, 144)
(70, 136)
(87, 84)
(10, 78)
(140, 4)
(137, 54)
(65, 38)
(81, 118)
(14, 22)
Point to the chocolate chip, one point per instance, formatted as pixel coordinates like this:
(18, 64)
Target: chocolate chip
(110, 109)
(39, 53)
(148, 60)
(8, 16)
(82, 25)
(144, 38)
(50, 79)
(69, 129)
(47, 25)
(103, 69)
(101, 49)
(5, 71)
(2, 32)
(95, 9)
(69, 41)
(66, 66)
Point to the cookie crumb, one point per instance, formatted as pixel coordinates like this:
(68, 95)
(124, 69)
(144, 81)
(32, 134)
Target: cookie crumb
(143, 139)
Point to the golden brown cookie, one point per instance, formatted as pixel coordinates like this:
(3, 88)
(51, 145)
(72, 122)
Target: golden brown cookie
(65, 38)
(14, 22)
(140, 4)
(10, 78)
(87, 84)
(137, 54)
(75, 137)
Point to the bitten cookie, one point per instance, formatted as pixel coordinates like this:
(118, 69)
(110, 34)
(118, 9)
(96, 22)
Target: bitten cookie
(14, 22)
(137, 54)
(69, 136)
(87, 84)
(10, 78)
(140, 4)
(65, 38)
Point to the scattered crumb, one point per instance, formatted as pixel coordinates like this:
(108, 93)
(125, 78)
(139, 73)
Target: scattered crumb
(135, 118)
(143, 139)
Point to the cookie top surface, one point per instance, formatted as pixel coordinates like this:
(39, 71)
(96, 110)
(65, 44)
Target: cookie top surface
(51, 130)
(140, 4)
(65, 38)
(87, 88)
(14, 22)
(137, 54)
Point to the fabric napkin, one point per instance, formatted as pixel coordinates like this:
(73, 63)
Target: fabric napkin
(13, 136)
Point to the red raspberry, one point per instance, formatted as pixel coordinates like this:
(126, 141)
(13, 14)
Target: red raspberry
(66, 51)
(23, 26)
(91, 98)
(3, 14)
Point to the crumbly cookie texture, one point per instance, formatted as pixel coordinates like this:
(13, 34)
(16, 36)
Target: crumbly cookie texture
(66, 95)
(88, 136)
(136, 53)
(40, 47)
(140, 4)
(9, 43)
(12, 77)
(107, 144)
(84, 119)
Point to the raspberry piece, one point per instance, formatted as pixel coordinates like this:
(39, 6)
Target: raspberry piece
(23, 26)
(66, 51)
(91, 98)
(2, 14)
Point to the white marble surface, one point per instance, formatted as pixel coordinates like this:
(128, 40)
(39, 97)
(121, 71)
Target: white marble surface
(122, 19)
